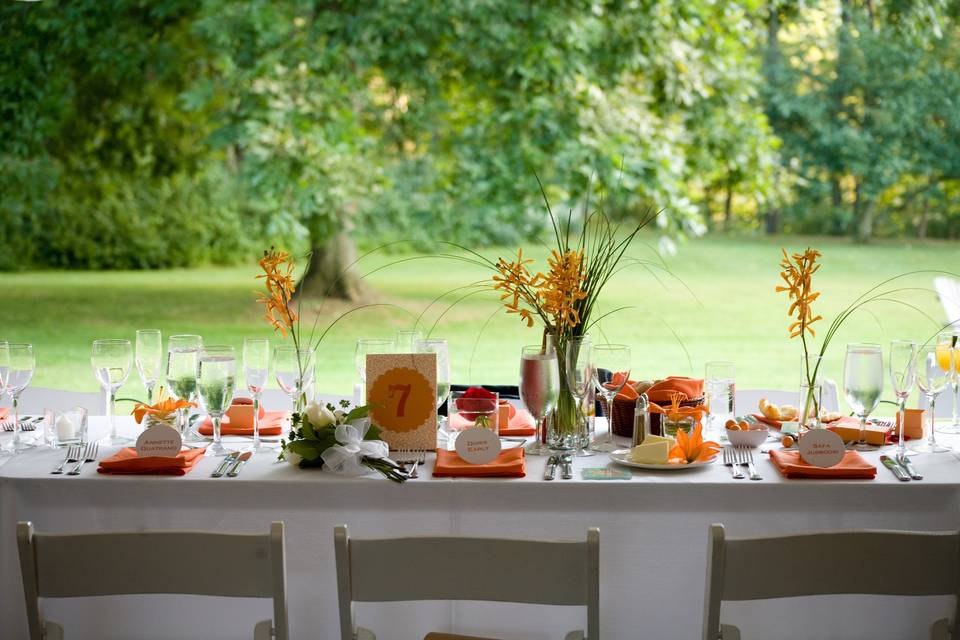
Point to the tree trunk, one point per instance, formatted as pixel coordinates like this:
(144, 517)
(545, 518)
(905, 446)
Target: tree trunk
(863, 215)
(728, 208)
(924, 218)
(328, 276)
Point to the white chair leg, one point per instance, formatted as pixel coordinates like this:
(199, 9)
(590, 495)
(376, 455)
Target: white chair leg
(365, 634)
(574, 635)
(729, 632)
(263, 630)
(940, 630)
(52, 631)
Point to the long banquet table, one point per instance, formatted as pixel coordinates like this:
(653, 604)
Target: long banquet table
(653, 532)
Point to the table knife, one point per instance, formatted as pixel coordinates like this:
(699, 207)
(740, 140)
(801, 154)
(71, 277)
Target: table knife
(891, 464)
(241, 460)
(566, 466)
(230, 459)
(910, 469)
(552, 462)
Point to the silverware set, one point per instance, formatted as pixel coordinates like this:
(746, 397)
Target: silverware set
(410, 460)
(77, 455)
(26, 424)
(564, 461)
(736, 457)
(232, 464)
(901, 467)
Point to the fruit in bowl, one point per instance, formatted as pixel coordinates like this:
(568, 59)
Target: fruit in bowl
(746, 434)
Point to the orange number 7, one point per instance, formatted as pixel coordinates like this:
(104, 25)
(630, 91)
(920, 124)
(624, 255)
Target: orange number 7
(404, 390)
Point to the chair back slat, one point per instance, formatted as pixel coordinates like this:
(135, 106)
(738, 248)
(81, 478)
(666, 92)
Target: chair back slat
(232, 565)
(446, 568)
(855, 562)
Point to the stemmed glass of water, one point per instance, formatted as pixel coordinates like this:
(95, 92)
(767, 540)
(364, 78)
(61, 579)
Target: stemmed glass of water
(216, 376)
(862, 385)
(149, 356)
(111, 361)
(539, 389)
(933, 376)
(183, 352)
(21, 363)
(256, 368)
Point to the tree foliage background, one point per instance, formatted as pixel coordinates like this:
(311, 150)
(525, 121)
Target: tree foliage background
(153, 133)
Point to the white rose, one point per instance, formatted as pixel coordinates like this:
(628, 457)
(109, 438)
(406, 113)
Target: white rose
(319, 416)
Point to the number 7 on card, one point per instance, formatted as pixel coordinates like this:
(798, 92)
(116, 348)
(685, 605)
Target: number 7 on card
(402, 391)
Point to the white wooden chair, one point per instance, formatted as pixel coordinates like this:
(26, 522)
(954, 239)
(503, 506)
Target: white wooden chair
(748, 400)
(65, 566)
(455, 568)
(34, 400)
(829, 564)
(948, 291)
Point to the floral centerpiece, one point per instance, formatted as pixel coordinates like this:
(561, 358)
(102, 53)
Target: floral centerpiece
(563, 299)
(338, 440)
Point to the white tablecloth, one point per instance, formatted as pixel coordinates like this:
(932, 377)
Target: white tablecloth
(653, 544)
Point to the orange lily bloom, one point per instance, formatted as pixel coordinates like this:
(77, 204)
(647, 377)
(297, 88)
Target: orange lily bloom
(161, 409)
(692, 448)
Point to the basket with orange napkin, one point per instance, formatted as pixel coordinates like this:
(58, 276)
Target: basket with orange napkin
(661, 396)
(510, 463)
(127, 462)
(238, 420)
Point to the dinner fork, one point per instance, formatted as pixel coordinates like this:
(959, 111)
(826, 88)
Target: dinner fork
(420, 458)
(746, 459)
(73, 454)
(730, 460)
(26, 424)
(89, 455)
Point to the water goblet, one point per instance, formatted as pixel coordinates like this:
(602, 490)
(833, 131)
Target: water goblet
(149, 355)
(539, 390)
(903, 375)
(111, 361)
(862, 385)
(933, 376)
(21, 363)
(183, 352)
(294, 371)
(615, 359)
(256, 368)
(407, 341)
(216, 374)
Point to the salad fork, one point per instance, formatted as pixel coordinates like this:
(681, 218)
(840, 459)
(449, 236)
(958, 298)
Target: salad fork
(89, 455)
(730, 459)
(746, 459)
(73, 455)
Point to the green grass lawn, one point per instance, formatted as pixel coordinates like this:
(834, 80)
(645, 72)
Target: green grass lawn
(733, 312)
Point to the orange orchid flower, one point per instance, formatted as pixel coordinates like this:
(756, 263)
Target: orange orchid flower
(161, 409)
(692, 448)
(675, 411)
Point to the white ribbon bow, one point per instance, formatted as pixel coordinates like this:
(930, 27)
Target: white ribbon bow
(346, 457)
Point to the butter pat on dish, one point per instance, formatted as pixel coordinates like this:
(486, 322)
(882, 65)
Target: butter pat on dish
(654, 450)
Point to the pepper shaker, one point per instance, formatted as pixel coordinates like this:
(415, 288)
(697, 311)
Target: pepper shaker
(641, 420)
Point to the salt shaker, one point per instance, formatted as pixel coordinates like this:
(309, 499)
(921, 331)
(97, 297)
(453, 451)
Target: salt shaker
(641, 420)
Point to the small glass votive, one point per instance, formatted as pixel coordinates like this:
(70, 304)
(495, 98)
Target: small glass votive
(669, 426)
(61, 429)
(464, 412)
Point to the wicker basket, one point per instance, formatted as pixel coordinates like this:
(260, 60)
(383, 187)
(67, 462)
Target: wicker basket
(623, 412)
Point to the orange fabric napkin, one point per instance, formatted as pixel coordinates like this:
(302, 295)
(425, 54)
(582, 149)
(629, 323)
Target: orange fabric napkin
(126, 462)
(271, 424)
(509, 464)
(627, 392)
(659, 393)
(776, 424)
(853, 466)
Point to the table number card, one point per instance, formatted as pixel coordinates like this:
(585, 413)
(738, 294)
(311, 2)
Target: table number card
(402, 387)
(478, 445)
(821, 448)
(159, 441)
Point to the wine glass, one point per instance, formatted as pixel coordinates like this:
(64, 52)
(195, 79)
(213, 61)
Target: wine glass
(439, 347)
(256, 368)
(365, 347)
(407, 341)
(293, 369)
(947, 342)
(4, 366)
(216, 375)
(862, 385)
(539, 390)
(149, 356)
(182, 356)
(932, 378)
(578, 371)
(112, 361)
(21, 364)
(615, 359)
(903, 375)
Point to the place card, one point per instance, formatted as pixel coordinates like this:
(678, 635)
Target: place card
(821, 448)
(159, 441)
(402, 391)
(478, 445)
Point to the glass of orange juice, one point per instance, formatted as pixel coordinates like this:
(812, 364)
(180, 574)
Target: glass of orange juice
(948, 344)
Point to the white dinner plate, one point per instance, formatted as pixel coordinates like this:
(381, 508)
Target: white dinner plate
(623, 457)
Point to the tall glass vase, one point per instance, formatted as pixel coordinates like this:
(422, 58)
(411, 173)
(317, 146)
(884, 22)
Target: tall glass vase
(811, 391)
(567, 424)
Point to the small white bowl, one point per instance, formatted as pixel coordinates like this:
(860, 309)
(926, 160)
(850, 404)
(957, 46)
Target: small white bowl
(752, 438)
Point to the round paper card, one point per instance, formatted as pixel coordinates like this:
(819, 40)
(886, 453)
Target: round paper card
(159, 441)
(821, 448)
(478, 445)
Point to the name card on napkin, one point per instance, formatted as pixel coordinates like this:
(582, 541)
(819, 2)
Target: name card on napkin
(402, 388)
(821, 448)
(478, 445)
(160, 441)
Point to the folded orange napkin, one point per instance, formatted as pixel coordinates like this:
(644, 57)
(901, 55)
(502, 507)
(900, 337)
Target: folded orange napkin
(776, 424)
(271, 424)
(509, 464)
(126, 461)
(659, 393)
(853, 466)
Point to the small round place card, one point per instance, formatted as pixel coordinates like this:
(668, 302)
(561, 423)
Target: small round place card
(159, 441)
(821, 448)
(478, 445)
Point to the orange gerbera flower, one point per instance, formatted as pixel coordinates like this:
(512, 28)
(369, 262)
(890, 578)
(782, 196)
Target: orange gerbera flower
(692, 448)
(278, 268)
(798, 270)
(161, 409)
